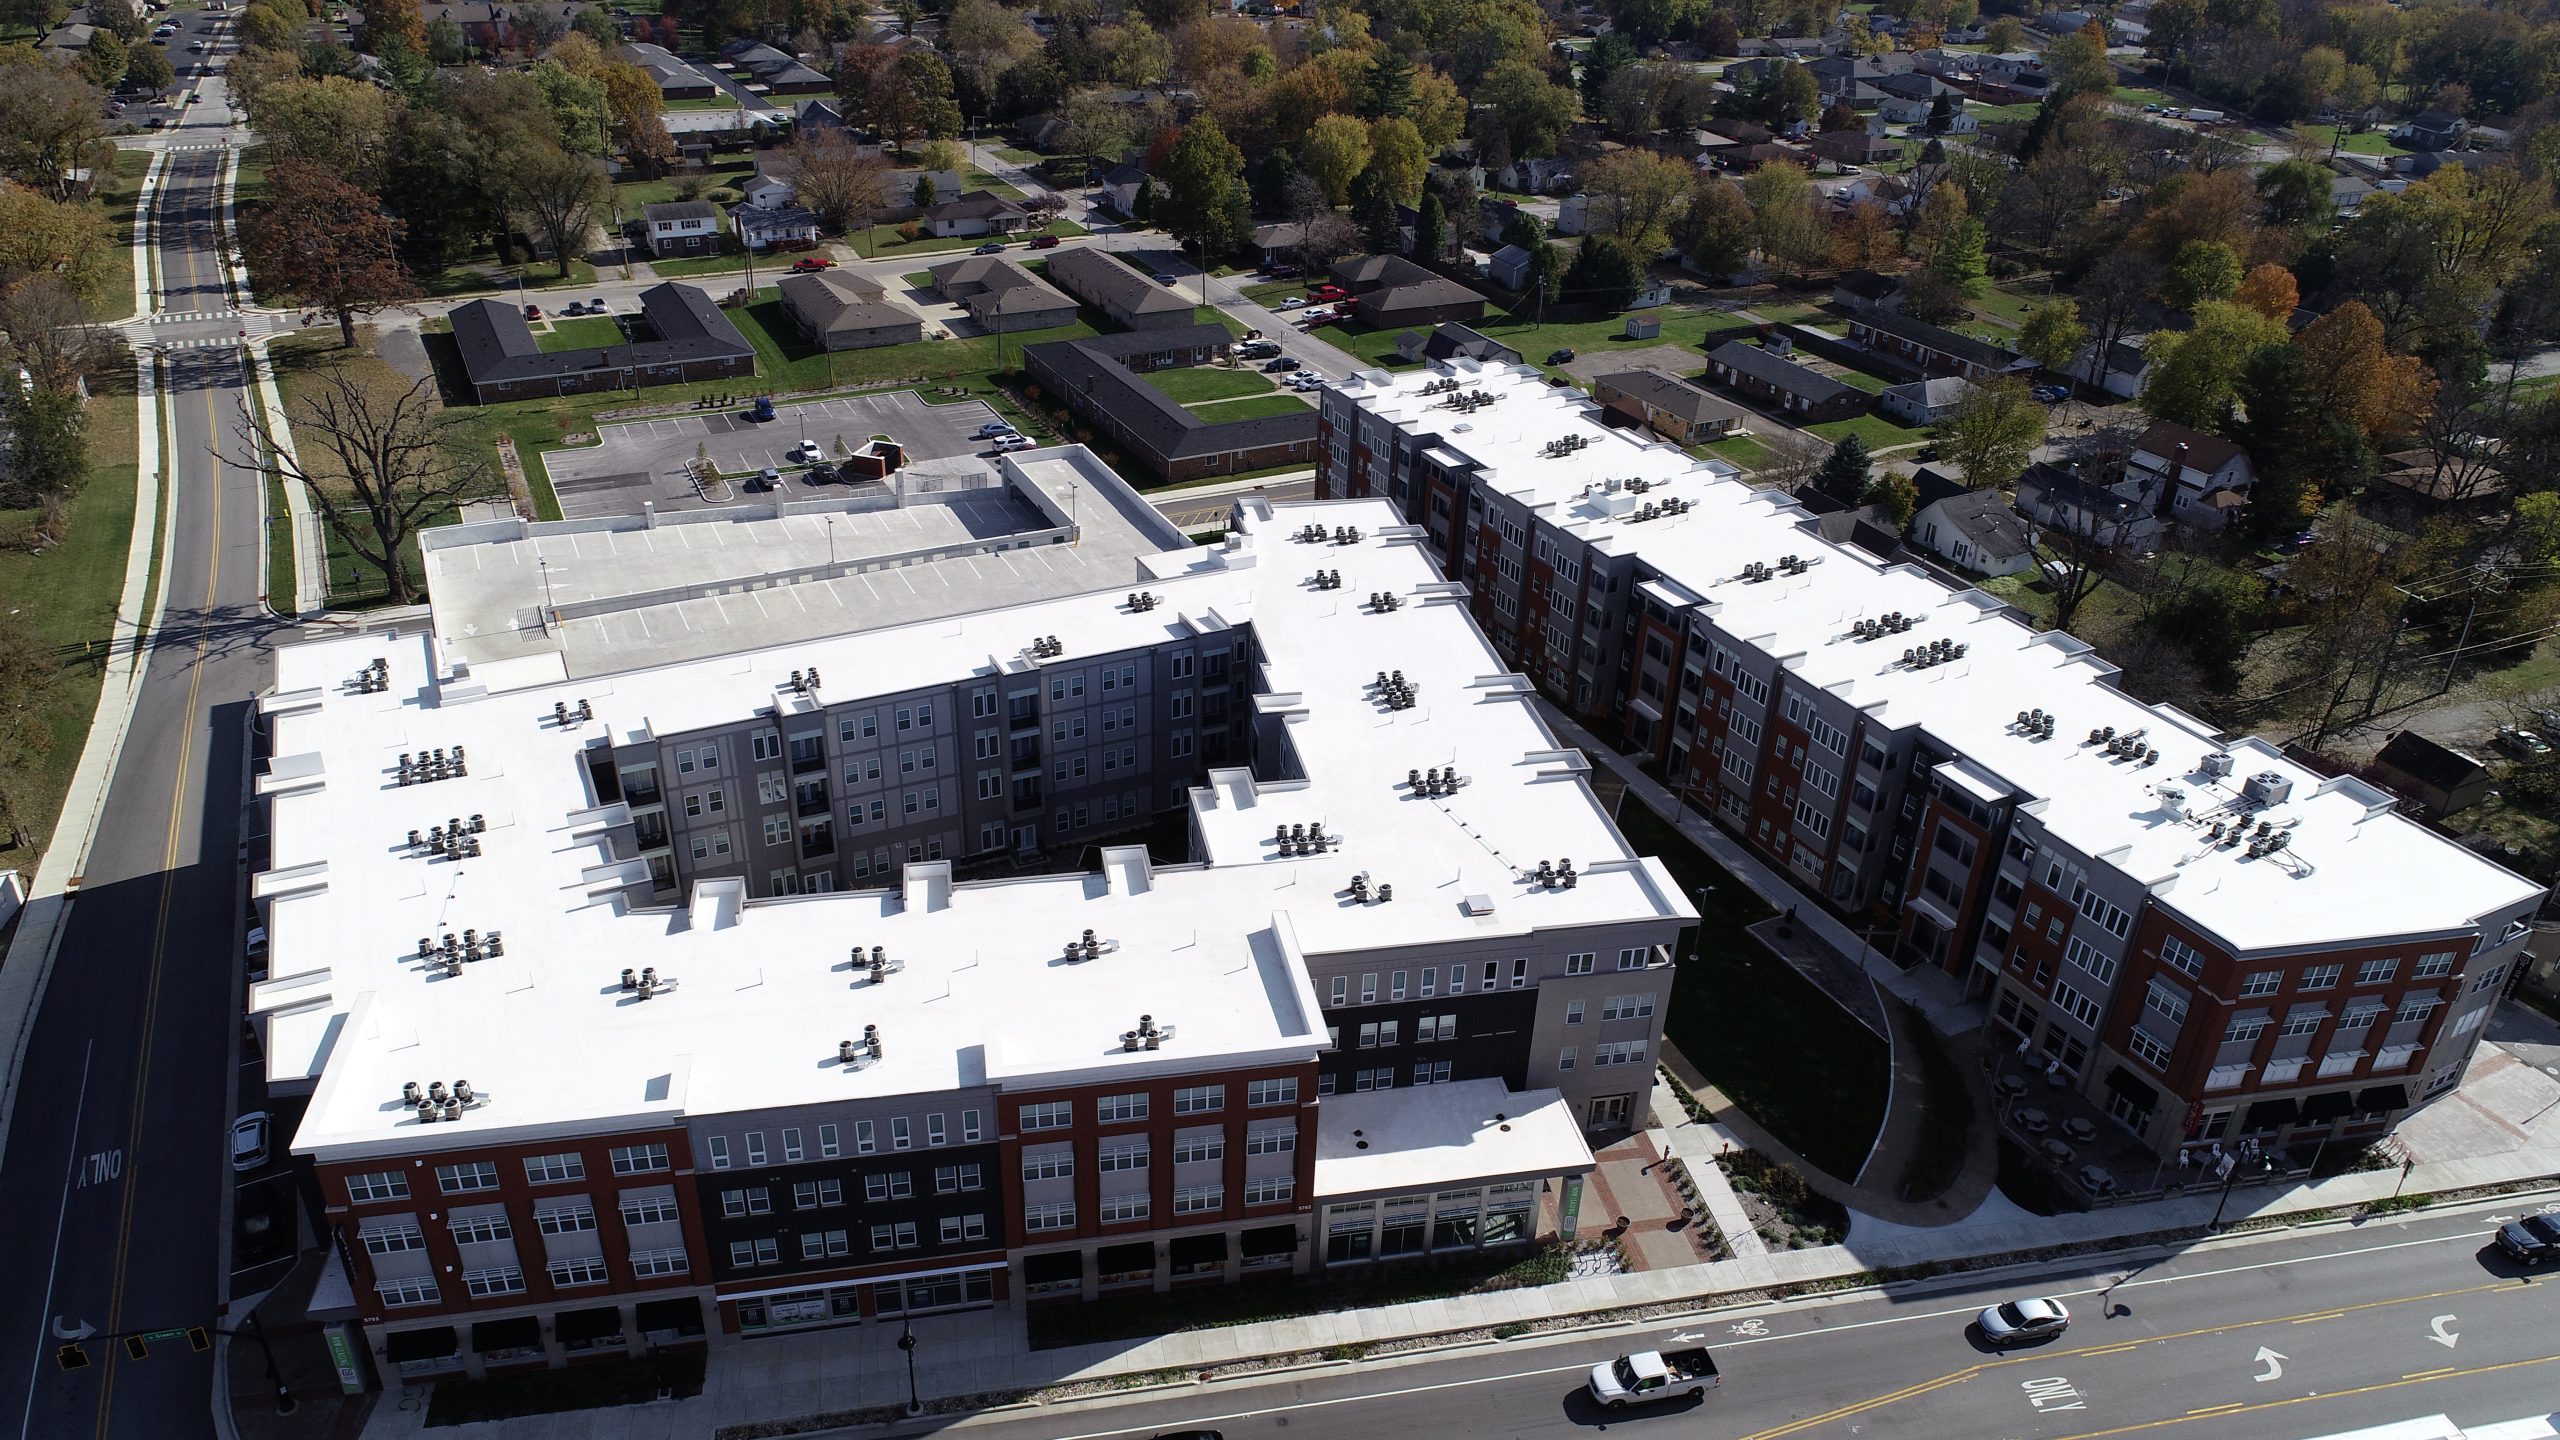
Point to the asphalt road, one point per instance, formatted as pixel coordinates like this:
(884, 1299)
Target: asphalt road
(112, 1186)
(2272, 1339)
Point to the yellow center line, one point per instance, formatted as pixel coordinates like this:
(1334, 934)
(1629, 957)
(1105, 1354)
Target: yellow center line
(2316, 1319)
(2217, 1409)
(168, 883)
(2115, 1349)
(2428, 1374)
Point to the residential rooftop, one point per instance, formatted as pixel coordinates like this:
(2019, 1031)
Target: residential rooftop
(2347, 870)
(763, 989)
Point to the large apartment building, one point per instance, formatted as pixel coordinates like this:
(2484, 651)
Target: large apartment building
(731, 923)
(2205, 937)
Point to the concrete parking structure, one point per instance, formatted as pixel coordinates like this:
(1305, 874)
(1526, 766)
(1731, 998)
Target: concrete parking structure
(645, 461)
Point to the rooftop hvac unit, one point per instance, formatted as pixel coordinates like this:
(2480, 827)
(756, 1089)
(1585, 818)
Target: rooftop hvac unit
(2216, 764)
(2267, 787)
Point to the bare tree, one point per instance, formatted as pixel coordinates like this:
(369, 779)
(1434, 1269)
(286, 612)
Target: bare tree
(835, 178)
(1791, 458)
(558, 192)
(48, 332)
(381, 459)
(2078, 544)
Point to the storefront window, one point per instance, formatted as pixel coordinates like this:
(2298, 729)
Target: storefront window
(1402, 1236)
(1506, 1227)
(1454, 1230)
(1344, 1245)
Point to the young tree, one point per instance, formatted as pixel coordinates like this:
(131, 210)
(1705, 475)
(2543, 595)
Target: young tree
(1789, 459)
(1203, 204)
(379, 457)
(1839, 116)
(1375, 214)
(1992, 432)
(1898, 494)
(326, 241)
(2270, 290)
(1431, 232)
(635, 113)
(1942, 113)
(1847, 472)
(1864, 237)
(57, 239)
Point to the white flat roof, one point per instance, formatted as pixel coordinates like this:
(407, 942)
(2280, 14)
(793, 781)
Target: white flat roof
(1423, 1137)
(763, 991)
(2348, 868)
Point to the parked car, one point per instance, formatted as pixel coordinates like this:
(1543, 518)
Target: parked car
(2547, 718)
(1292, 303)
(533, 312)
(1163, 277)
(1006, 444)
(807, 263)
(2018, 1322)
(574, 307)
(2535, 1239)
(992, 247)
(1328, 292)
(1044, 242)
(249, 1141)
(992, 429)
(767, 478)
(2051, 394)
(2522, 744)
(1279, 365)
(762, 409)
(808, 452)
(1559, 357)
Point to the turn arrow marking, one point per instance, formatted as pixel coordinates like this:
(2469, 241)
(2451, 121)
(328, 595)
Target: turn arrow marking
(2439, 1334)
(2274, 1363)
(80, 1331)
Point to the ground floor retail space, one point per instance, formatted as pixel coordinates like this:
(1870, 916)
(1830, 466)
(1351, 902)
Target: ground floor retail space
(473, 1346)
(851, 1301)
(1161, 1262)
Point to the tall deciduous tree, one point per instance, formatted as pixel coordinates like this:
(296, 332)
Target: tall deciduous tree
(1203, 203)
(1531, 110)
(379, 456)
(2270, 290)
(1635, 195)
(1992, 432)
(558, 193)
(337, 124)
(1397, 154)
(1717, 230)
(1791, 232)
(326, 241)
(844, 185)
(70, 242)
(2052, 334)
(50, 124)
(2193, 373)
(1335, 150)
(2350, 373)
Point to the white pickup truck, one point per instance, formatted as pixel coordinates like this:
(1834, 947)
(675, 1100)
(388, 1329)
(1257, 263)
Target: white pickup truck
(1650, 1375)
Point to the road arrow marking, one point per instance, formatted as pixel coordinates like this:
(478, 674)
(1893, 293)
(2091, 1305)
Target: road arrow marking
(2439, 1334)
(2274, 1363)
(1679, 1337)
(81, 1331)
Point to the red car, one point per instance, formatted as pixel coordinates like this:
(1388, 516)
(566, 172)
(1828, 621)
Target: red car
(1328, 292)
(1044, 242)
(807, 263)
(533, 312)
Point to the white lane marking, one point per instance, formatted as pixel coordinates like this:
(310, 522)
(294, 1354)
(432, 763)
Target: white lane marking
(35, 1367)
(2274, 1363)
(2439, 1334)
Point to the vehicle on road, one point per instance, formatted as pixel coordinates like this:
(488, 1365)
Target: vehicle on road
(199, 47)
(1279, 365)
(762, 409)
(1189, 1435)
(994, 428)
(990, 248)
(1044, 242)
(2019, 1322)
(1250, 335)
(2535, 1239)
(2522, 744)
(1559, 357)
(807, 263)
(249, 1141)
(1645, 1376)
(1292, 303)
(808, 452)
(1163, 277)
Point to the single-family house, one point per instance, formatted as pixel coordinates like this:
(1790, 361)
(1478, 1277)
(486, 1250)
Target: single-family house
(1450, 342)
(681, 227)
(2088, 511)
(1859, 291)
(679, 335)
(843, 311)
(1120, 187)
(1389, 292)
(899, 193)
(1671, 407)
(1932, 349)
(777, 72)
(2197, 479)
(976, 212)
(1923, 402)
(675, 78)
(1276, 246)
(1743, 159)
(1799, 392)
(2430, 130)
(1002, 296)
(1132, 300)
(2347, 193)
(2431, 775)
(769, 218)
(1855, 147)
(812, 116)
(497, 24)
(2119, 371)
(1534, 177)
(1739, 131)
(1975, 529)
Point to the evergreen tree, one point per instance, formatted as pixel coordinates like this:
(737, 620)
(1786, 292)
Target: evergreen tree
(1389, 88)
(1431, 232)
(1374, 211)
(1271, 176)
(1845, 475)
(1942, 113)
(1601, 63)
(1605, 275)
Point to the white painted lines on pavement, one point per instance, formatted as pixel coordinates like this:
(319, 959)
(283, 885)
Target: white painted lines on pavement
(2053, 1393)
(2439, 1334)
(2274, 1363)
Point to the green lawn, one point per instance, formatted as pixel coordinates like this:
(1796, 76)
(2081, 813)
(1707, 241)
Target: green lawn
(1686, 326)
(705, 265)
(2367, 142)
(2006, 307)
(2140, 95)
(1994, 114)
(1012, 155)
(583, 332)
(118, 191)
(1251, 407)
(1740, 450)
(1272, 293)
(1784, 1051)
(492, 276)
(881, 242)
(64, 593)
(249, 185)
(918, 279)
(630, 195)
(1877, 431)
(1191, 384)
(1792, 312)
(716, 102)
(1872, 384)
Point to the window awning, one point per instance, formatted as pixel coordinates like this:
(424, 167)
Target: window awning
(520, 1333)
(2268, 1114)
(2132, 1087)
(1200, 1249)
(682, 1313)
(1053, 1267)
(1270, 1240)
(579, 1326)
(432, 1343)
(1118, 1259)
(2380, 1099)
(2327, 1105)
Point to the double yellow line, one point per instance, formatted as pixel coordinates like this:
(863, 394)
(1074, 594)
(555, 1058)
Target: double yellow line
(1910, 1392)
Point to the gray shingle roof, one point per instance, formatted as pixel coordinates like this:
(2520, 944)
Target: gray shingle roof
(1938, 338)
(1096, 278)
(497, 345)
(1815, 387)
(1671, 394)
(1092, 369)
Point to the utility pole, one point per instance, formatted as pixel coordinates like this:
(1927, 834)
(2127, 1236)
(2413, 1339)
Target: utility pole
(2482, 578)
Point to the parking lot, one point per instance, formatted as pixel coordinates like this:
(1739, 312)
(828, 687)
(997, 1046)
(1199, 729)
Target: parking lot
(645, 460)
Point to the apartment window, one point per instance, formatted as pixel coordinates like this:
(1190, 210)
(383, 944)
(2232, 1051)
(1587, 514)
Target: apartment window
(1054, 1115)
(817, 1194)
(467, 1177)
(827, 1146)
(1199, 1148)
(2262, 982)
(497, 1280)
(968, 1125)
(1579, 964)
(1573, 1012)
(1194, 1199)
(568, 1273)
(481, 1229)
(1431, 1072)
(2320, 977)
(378, 1185)
(1341, 990)
(863, 1141)
(2149, 1051)
(955, 1179)
(1060, 1216)
(2375, 972)
(1627, 1007)
(2166, 1003)
(392, 1239)
(1395, 985)
(1121, 1209)
(1201, 1099)
(2433, 967)
(1113, 1109)
(2183, 956)
(2244, 1030)
(1520, 973)
(1282, 1091)
(2078, 1006)
(1122, 1155)
(888, 1185)
(2101, 968)
(755, 1147)
(1274, 1190)
(2306, 1023)
(417, 1290)
(901, 1133)
(1618, 1052)
(817, 1244)
(2109, 917)
(649, 1210)
(2489, 979)
(1055, 1165)
(747, 1200)
(934, 1131)
(2414, 1008)
(745, 1254)
(648, 1263)
(956, 1228)
(1279, 1139)
(646, 1159)
(1430, 1028)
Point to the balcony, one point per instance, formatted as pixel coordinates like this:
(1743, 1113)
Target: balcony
(817, 842)
(642, 792)
(808, 762)
(810, 800)
(650, 831)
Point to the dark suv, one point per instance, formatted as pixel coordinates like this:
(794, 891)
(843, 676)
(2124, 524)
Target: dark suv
(2534, 1240)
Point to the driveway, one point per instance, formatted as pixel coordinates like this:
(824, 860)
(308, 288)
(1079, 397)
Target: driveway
(644, 460)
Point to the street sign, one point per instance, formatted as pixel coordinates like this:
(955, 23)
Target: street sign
(342, 1353)
(177, 1334)
(2222, 1171)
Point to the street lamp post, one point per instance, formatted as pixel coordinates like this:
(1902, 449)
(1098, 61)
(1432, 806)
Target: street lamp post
(907, 1342)
(285, 1403)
